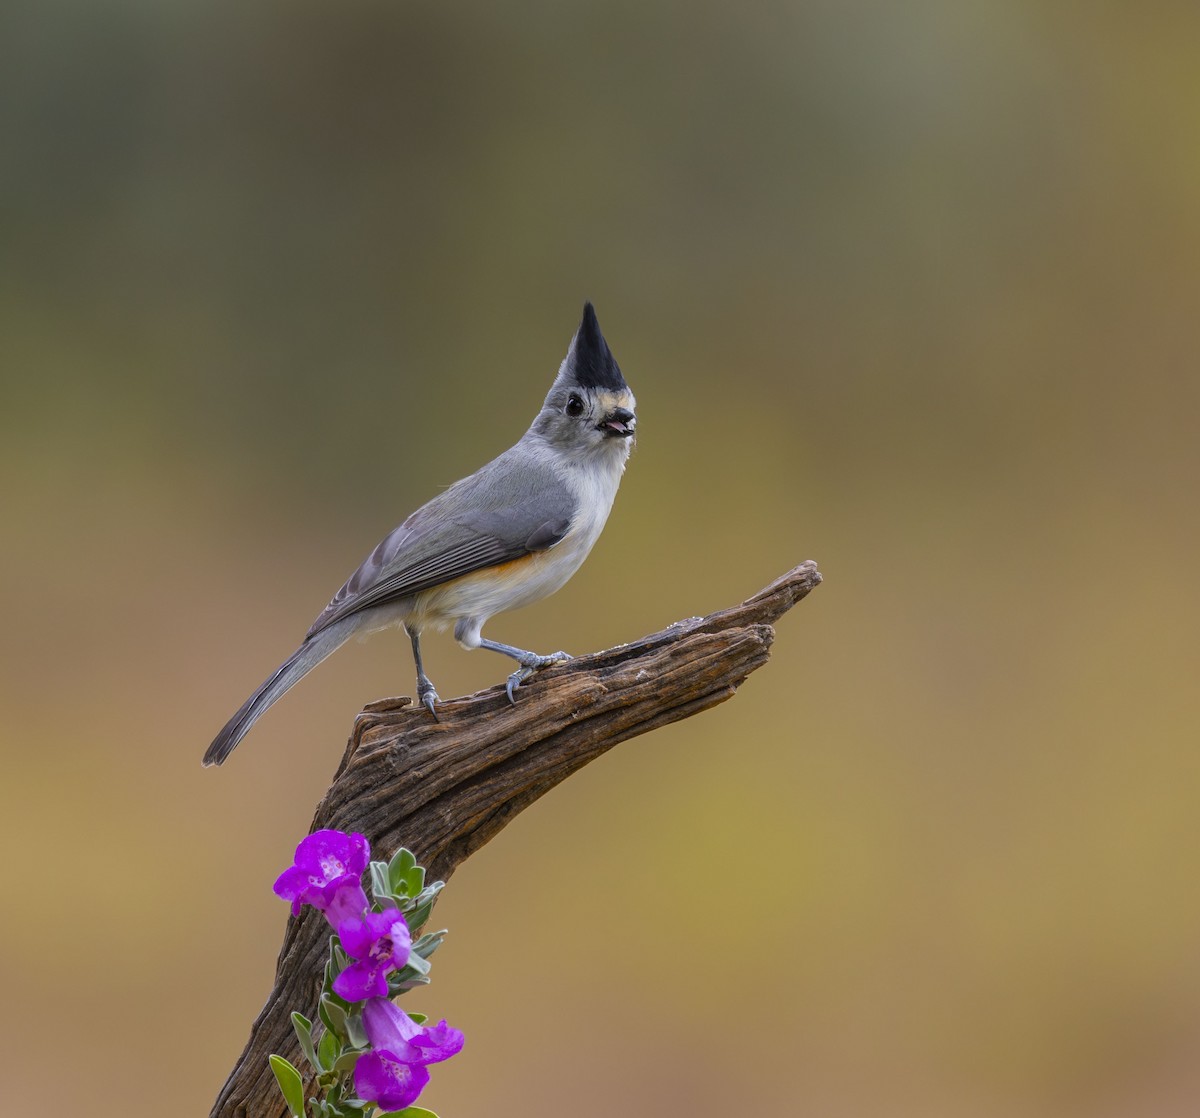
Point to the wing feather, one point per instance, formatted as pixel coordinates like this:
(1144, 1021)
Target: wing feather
(435, 546)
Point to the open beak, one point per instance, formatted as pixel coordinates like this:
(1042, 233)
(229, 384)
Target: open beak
(618, 424)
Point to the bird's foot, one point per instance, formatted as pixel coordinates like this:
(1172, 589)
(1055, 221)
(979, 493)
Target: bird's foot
(530, 664)
(428, 697)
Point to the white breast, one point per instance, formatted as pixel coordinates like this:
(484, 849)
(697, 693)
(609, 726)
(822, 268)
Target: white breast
(594, 487)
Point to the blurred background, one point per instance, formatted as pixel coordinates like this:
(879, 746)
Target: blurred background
(909, 289)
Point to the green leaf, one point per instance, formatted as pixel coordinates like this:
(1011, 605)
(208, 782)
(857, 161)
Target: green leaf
(433, 887)
(355, 1032)
(303, 1027)
(328, 1050)
(418, 963)
(426, 946)
(429, 892)
(405, 980)
(417, 910)
(346, 1061)
(290, 1083)
(335, 964)
(344, 1108)
(402, 863)
(414, 881)
(381, 884)
(417, 918)
(332, 1014)
(415, 1112)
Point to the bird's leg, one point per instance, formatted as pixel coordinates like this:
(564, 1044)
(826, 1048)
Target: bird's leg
(425, 692)
(529, 661)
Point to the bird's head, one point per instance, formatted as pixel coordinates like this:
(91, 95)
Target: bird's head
(589, 407)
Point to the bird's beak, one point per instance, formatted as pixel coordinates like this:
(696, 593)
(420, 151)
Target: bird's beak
(618, 424)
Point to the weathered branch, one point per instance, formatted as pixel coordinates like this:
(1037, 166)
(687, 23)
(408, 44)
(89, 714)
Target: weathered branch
(444, 788)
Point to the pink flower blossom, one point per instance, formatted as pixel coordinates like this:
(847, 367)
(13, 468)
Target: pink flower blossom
(380, 942)
(327, 873)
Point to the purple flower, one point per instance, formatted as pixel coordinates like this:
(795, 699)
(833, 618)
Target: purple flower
(345, 900)
(327, 874)
(390, 1083)
(380, 942)
(390, 1029)
(393, 1073)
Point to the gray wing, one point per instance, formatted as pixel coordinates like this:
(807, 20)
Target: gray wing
(507, 510)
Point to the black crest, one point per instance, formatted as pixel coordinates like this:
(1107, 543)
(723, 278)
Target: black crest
(590, 361)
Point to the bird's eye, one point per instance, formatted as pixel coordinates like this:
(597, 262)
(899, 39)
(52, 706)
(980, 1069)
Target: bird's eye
(574, 405)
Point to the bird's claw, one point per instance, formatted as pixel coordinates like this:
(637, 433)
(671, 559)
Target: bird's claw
(514, 681)
(527, 668)
(429, 698)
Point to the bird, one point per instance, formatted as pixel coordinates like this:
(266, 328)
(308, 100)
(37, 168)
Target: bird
(506, 536)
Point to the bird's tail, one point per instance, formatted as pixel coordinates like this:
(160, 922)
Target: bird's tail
(282, 679)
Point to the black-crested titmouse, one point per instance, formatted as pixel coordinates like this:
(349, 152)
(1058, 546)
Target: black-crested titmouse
(504, 537)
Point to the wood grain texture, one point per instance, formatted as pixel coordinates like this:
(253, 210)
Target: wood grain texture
(444, 788)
